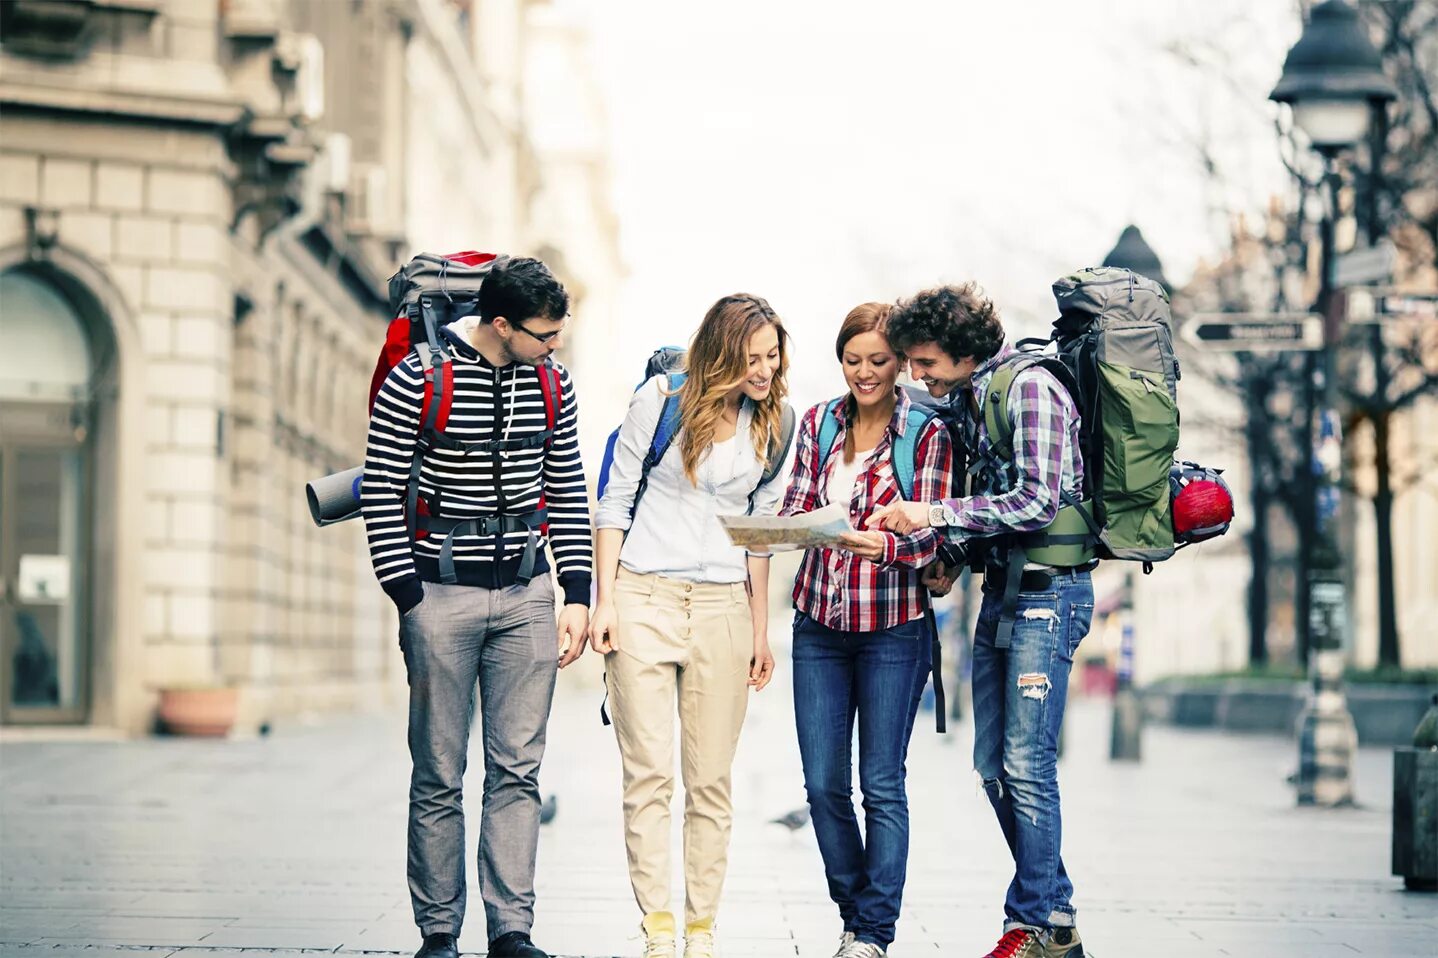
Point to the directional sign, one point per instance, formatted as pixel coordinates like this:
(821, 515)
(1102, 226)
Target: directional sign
(1380, 305)
(1373, 264)
(1255, 332)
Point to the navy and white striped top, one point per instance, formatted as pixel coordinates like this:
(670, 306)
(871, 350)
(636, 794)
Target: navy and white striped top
(457, 485)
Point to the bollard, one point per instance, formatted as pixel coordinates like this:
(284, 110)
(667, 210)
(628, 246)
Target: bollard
(1415, 806)
(1126, 734)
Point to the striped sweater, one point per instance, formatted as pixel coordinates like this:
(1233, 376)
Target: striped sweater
(456, 485)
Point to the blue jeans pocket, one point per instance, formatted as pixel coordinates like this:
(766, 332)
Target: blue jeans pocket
(1080, 621)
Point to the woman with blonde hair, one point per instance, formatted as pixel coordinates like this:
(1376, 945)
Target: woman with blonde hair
(861, 638)
(681, 614)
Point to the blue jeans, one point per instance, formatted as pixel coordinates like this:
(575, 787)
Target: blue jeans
(1019, 696)
(878, 677)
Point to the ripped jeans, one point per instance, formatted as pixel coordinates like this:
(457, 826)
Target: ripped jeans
(1019, 697)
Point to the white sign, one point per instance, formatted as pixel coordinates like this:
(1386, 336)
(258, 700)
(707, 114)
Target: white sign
(1373, 264)
(44, 579)
(1379, 305)
(1255, 332)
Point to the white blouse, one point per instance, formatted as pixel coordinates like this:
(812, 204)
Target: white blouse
(676, 531)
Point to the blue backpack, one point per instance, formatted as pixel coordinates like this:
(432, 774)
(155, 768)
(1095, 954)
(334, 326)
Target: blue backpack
(905, 448)
(668, 361)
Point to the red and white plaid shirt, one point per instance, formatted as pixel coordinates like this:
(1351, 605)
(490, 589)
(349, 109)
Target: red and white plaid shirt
(837, 588)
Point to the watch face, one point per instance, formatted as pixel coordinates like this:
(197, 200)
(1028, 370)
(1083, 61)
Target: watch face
(936, 516)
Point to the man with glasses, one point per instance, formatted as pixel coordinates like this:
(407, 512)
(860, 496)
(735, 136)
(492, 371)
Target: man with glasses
(474, 591)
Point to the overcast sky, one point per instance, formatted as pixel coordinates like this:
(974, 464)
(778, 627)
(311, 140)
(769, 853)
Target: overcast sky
(824, 154)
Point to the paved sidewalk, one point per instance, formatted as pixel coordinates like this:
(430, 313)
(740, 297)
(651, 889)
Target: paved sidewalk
(297, 842)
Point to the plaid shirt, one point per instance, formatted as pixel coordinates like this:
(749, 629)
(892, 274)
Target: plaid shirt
(1046, 456)
(837, 588)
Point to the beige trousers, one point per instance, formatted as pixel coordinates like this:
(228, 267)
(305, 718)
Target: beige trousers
(690, 642)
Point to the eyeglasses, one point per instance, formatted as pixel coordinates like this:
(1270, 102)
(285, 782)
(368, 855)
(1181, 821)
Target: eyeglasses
(544, 338)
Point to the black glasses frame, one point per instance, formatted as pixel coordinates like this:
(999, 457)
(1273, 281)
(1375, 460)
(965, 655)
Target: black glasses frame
(543, 338)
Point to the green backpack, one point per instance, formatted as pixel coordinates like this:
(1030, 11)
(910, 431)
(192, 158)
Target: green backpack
(1114, 354)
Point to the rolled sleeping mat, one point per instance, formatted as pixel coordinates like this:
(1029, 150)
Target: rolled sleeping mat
(335, 498)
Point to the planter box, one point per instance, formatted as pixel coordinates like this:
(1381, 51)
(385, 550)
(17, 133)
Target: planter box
(203, 712)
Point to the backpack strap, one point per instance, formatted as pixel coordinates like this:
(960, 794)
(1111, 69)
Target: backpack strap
(553, 391)
(436, 364)
(437, 368)
(996, 406)
(778, 453)
(905, 451)
(828, 431)
(664, 432)
(997, 422)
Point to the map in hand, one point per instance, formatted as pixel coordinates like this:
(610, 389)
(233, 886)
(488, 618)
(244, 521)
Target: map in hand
(822, 527)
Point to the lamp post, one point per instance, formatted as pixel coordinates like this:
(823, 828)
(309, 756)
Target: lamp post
(1333, 81)
(1133, 252)
(1126, 731)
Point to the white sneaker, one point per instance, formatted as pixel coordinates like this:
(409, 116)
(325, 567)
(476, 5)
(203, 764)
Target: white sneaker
(658, 935)
(861, 949)
(845, 941)
(699, 940)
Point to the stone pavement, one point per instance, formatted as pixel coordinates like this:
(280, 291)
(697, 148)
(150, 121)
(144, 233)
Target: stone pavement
(296, 841)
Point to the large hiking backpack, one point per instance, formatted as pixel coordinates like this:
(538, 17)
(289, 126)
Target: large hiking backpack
(426, 294)
(904, 455)
(669, 361)
(1113, 353)
(1113, 335)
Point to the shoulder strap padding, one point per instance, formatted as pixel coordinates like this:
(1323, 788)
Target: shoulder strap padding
(553, 392)
(779, 445)
(668, 425)
(778, 453)
(905, 453)
(828, 429)
(997, 420)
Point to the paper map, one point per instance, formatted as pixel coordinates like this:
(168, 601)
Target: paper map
(822, 527)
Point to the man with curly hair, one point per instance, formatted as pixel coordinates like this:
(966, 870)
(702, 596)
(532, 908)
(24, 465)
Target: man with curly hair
(955, 346)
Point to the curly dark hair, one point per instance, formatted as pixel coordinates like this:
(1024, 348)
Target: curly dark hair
(521, 288)
(961, 319)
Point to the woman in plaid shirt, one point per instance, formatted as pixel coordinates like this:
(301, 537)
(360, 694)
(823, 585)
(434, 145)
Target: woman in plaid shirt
(861, 641)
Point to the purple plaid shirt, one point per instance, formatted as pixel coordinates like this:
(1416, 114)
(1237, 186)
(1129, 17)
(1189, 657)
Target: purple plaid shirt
(1046, 456)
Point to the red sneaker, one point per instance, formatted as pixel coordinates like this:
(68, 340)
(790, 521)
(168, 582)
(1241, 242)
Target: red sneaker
(1019, 943)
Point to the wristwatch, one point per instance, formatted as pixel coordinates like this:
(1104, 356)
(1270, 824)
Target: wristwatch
(938, 515)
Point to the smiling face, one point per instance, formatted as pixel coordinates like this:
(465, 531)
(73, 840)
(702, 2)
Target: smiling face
(870, 368)
(763, 360)
(940, 373)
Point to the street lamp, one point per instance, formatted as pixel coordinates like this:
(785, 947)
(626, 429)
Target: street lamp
(1334, 82)
(1133, 252)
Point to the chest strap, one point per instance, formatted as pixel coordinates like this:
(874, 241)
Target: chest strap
(486, 526)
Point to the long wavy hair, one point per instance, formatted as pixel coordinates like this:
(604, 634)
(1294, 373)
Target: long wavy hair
(864, 318)
(717, 362)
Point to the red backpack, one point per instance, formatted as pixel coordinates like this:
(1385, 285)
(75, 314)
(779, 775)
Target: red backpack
(429, 292)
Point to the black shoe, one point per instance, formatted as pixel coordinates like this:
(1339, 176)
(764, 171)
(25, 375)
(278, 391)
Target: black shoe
(439, 945)
(514, 944)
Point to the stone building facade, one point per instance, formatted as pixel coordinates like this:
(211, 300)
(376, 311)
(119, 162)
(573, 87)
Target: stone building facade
(199, 204)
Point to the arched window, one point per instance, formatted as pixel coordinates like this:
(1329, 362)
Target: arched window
(44, 353)
(48, 374)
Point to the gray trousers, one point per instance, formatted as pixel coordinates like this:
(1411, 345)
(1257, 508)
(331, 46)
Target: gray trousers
(506, 640)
